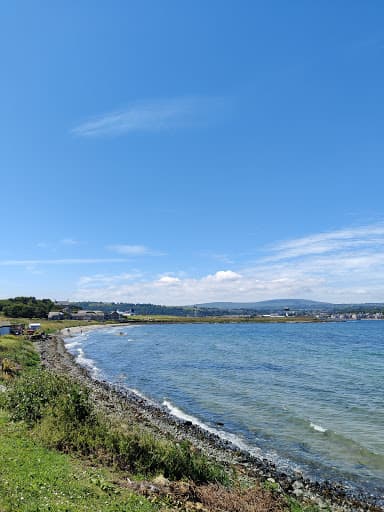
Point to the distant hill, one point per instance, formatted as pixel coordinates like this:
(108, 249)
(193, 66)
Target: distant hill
(270, 305)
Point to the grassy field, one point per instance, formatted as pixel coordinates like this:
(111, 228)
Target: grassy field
(16, 355)
(49, 326)
(215, 319)
(34, 478)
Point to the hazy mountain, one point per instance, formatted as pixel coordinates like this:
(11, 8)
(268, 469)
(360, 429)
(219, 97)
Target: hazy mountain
(271, 305)
(276, 305)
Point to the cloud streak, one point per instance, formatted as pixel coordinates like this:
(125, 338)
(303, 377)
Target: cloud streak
(62, 261)
(328, 242)
(149, 116)
(133, 250)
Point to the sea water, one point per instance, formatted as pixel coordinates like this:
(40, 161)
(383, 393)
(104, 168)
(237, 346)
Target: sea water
(308, 396)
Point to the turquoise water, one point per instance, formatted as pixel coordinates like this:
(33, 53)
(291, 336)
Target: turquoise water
(308, 396)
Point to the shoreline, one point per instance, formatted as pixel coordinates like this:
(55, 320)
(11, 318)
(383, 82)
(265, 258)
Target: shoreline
(125, 405)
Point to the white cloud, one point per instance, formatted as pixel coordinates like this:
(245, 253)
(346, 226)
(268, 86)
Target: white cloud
(340, 266)
(168, 280)
(148, 116)
(224, 275)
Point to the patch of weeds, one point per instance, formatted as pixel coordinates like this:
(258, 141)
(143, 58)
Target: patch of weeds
(296, 506)
(271, 486)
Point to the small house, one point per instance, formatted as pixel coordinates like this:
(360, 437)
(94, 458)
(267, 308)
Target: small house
(113, 315)
(88, 315)
(55, 315)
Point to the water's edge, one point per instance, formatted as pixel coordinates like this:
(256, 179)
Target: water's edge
(216, 444)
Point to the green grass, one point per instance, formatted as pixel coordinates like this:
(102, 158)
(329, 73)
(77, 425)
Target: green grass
(214, 319)
(62, 416)
(296, 506)
(48, 326)
(34, 478)
(16, 349)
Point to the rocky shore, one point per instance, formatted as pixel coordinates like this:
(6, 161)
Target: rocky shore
(128, 408)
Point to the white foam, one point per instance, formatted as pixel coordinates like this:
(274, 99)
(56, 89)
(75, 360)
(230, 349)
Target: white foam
(318, 428)
(232, 438)
(87, 363)
(72, 344)
(141, 395)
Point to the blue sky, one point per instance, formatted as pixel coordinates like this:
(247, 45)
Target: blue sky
(180, 152)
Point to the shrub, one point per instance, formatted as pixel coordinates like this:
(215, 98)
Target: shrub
(29, 397)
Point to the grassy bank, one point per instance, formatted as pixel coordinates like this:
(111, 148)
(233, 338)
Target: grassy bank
(34, 478)
(16, 355)
(60, 414)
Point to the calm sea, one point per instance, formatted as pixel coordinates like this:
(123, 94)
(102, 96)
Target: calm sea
(308, 396)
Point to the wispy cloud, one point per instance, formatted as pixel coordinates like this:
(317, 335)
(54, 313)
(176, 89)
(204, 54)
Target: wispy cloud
(133, 250)
(62, 261)
(345, 265)
(371, 236)
(107, 280)
(150, 116)
(58, 244)
(69, 241)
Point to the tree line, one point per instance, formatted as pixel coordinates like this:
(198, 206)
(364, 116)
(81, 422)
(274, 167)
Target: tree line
(26, 307)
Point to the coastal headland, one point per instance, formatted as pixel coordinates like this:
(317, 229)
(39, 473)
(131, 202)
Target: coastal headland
(125, 406)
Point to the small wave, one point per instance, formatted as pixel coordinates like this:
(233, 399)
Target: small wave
(175, 411)
(318, 428)
(226, 436)
(72, 344)
(87, 363)
(141, 395)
